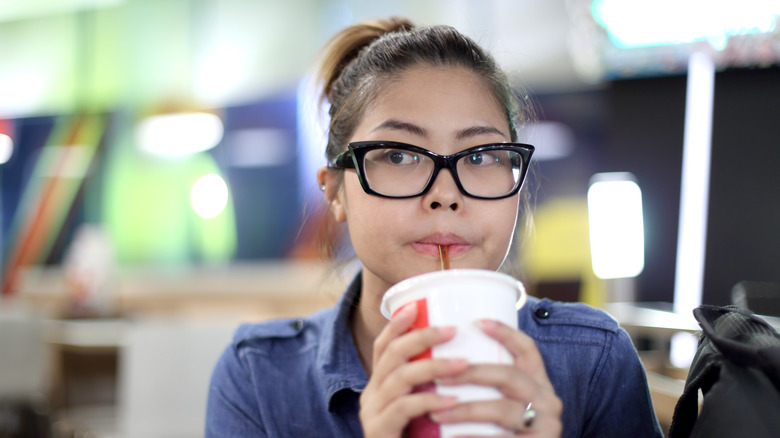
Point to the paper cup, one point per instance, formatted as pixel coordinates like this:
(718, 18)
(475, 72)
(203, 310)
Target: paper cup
(459, 297)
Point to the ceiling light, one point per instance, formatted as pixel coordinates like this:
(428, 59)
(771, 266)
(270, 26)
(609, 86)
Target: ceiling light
(209, 196)
(6, 148)
(633, 24)
(179, 134)
(615, 225)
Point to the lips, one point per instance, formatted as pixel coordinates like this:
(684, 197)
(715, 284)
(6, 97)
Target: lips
(429, 245)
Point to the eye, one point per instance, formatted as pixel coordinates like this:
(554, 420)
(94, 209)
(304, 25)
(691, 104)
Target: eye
(482, 159)
(400, 157)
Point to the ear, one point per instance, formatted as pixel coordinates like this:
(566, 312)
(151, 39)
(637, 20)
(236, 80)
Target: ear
(328, 180)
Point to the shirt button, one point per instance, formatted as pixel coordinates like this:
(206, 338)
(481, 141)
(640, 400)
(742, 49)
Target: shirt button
(297, 324)
(542, 313)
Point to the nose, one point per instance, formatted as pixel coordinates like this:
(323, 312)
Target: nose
(444, 193)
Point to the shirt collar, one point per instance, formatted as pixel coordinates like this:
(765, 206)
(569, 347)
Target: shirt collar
(338, 358)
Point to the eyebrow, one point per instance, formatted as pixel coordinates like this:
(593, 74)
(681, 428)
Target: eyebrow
(402, 126)
(422, 132)
(477, 130)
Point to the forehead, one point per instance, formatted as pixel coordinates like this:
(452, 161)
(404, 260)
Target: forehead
(438, 97)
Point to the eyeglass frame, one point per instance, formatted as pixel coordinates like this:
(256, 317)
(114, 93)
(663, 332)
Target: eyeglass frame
(353, 158)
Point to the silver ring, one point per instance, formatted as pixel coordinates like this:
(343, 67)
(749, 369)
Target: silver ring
(529, 416)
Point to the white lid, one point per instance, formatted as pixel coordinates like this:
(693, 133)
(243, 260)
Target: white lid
(416, 287)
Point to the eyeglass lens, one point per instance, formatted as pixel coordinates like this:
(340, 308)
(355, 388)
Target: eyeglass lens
(398, 172)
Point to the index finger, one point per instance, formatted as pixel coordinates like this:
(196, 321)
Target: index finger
(400, 324)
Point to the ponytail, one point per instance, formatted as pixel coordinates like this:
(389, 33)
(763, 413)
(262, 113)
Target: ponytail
(347, 44)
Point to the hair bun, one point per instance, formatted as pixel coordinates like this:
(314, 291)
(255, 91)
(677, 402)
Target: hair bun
(396, 24)
(347, 44)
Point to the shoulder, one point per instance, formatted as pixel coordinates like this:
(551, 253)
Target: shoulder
(280, 336)
(546, 312)
(545, 319)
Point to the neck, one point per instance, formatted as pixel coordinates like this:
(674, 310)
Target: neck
(367, 321)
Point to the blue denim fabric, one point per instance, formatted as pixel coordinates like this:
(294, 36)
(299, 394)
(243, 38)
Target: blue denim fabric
(303, 377)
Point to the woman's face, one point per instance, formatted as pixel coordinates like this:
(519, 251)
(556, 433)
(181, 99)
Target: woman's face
(445, 110)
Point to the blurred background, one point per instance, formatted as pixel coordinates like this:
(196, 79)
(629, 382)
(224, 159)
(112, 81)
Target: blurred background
(157, 164)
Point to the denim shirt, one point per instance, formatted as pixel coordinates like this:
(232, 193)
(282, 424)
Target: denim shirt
(303, 377)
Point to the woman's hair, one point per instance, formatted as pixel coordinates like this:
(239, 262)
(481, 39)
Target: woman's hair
(360, 59)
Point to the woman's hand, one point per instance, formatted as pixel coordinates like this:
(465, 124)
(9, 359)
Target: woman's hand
(388, 403)
(524, 385)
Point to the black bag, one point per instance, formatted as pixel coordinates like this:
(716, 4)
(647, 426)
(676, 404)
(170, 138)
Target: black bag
(737, 368)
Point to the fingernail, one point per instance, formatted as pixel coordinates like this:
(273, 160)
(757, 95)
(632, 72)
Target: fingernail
(458, 363)
(449, 400)
(487, 324)
(441, 415)
(447, 330)
(407, 311)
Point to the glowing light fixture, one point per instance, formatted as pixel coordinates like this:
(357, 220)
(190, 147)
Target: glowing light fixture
(664, 22)
(179, 134)
(209, 196)
(694, 190)
(6, 148)
(694, 196)
(615, 225)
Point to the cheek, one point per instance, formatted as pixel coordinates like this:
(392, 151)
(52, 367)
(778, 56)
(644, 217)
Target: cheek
(366, 215)
(512, 216)
(504, 221)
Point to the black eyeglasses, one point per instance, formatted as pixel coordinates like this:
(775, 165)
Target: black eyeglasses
(399, 170)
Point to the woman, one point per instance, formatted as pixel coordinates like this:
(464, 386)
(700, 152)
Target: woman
(400, 97)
